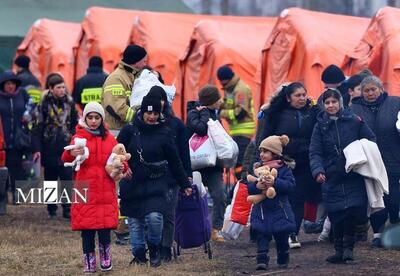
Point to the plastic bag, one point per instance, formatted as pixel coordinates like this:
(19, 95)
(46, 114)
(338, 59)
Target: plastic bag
(227, 149)
(230, 230)
(202, 152)
(240, 207)
(142, 85)
(197, 180)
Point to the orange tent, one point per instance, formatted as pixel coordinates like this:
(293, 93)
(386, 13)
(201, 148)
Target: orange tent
(237, 42)
(164, 36)
(379, 49)
(302, 44)
(49, 46)
(105, 33)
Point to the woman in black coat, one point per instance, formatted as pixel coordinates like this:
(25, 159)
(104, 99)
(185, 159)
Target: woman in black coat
(154, 162)
(181, 139)
(13, 103)
(292, 113)
(344, 194)
(380, 113)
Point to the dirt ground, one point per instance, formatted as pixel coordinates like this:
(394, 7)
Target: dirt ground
(31, 244)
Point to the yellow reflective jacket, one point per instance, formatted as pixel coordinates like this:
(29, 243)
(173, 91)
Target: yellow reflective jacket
(238, 108)
(115, 96)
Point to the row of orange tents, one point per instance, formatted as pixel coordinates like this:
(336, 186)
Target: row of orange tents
(188, 49)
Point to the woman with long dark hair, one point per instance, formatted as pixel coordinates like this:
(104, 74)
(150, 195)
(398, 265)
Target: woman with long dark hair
(292, 113)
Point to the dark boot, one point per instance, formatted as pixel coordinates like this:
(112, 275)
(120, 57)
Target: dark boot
(348, 245)
(155, 256)
(338, 256)
(139, 257)
(166, 255)
(262, 261)
(283, 259)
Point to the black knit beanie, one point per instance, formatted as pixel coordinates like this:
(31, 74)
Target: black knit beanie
(332, 75)
(209, 95)
(150, 104)
(225, 73)
(96, 61)
(22, 61)
(158, 92)
(133, 53)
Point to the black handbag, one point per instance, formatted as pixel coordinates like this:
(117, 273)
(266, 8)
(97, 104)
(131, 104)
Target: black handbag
(22, 140)
(152, 170)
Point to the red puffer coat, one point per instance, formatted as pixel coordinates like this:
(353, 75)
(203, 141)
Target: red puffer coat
(101, 209)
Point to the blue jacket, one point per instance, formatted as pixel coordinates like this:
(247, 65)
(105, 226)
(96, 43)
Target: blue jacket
(275, 215)
(341, 190)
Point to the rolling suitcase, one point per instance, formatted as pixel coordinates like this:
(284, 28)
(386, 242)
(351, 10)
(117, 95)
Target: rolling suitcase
(192, 225)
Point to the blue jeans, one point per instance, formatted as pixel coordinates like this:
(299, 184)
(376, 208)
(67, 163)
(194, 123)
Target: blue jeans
(151, 223)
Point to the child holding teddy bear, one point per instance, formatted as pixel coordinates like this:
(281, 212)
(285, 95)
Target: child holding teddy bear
(100, 212)
(272, 215)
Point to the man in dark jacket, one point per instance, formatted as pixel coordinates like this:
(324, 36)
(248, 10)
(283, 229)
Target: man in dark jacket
(198, 115)
(89, 87)
(28, 81)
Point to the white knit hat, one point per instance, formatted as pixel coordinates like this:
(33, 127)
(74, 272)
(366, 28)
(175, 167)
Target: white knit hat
(93, 107)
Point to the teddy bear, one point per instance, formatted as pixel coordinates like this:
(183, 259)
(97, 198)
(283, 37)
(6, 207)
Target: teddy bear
(79, 143)
(117, 165)
(262, 173)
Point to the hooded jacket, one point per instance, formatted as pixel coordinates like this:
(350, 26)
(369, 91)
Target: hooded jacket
(330, 136)
(101, 210)
(12, 108)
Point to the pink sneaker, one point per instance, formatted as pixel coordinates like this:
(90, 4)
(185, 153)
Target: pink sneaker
(105, 257)
(89, 262)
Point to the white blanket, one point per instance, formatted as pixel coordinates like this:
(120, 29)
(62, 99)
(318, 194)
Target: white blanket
(364, 157)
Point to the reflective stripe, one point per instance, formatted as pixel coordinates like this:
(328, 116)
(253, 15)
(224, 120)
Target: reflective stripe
(115, 89)
(229, 101)
(128, 93)
(231, 114)
(129, 115)
(91, 95)
(35, 94)
(248, 128)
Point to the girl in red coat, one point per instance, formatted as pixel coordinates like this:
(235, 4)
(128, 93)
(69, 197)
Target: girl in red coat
(100, 211)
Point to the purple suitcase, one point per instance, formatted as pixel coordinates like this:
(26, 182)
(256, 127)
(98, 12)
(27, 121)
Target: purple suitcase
(192, 225)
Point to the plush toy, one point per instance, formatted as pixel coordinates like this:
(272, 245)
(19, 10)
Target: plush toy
(117, 164)
(79, 143)
(263, 173)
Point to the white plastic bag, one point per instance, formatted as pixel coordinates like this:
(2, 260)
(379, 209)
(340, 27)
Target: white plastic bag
(202, 152)
(227, 149)
(230, 230)
(197, 180)
(398, 122)
(142, 85)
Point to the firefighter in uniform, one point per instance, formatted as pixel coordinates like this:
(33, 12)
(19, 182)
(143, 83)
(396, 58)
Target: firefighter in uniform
(90, 87)
(115, 101)
(28, 81)
(238, 110)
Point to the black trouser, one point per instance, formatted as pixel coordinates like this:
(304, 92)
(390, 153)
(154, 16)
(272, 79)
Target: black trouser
(391, 210)
(53, 173)
(344, 222)
(169, 217)
(88, 236)
(14, 165)
(297, 201)
(242, 142)
(282, 247)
